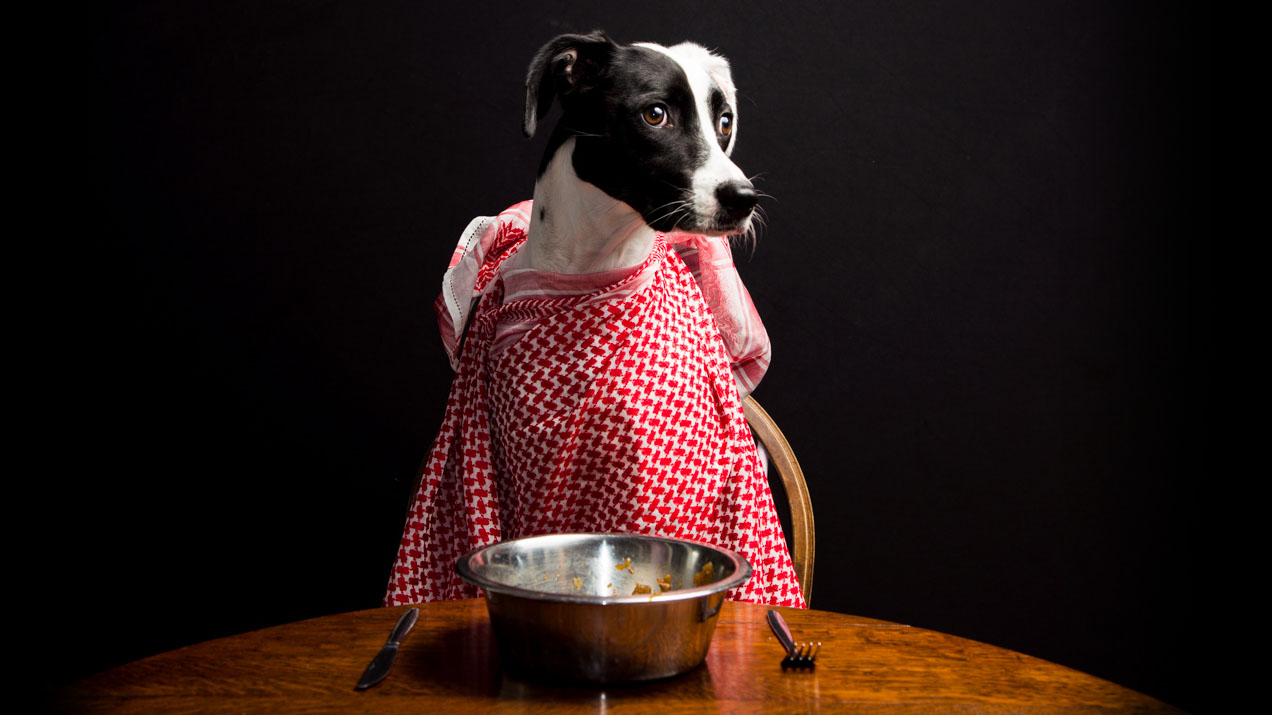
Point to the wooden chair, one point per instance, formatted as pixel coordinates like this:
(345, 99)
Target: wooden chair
(783, 459)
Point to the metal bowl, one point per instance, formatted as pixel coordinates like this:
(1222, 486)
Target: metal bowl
(562, 606)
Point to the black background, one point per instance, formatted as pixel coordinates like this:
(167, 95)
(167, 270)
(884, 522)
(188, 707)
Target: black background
(982, 276)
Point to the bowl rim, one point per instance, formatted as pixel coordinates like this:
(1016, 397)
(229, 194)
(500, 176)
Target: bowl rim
(741, 573)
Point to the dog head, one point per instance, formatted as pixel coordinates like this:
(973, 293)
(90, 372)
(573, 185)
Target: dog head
(653, 128)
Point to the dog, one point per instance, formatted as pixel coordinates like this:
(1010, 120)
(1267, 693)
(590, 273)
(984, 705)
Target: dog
(601, 337)
(643, 146)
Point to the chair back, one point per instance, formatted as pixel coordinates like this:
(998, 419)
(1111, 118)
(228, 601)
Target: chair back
(804, 547)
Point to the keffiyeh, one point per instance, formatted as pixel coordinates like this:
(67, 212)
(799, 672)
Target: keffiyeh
(598, 403)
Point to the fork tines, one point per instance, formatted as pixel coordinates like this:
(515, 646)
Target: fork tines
(804, 656)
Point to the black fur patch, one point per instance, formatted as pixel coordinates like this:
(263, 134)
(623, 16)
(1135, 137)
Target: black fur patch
(719, 107)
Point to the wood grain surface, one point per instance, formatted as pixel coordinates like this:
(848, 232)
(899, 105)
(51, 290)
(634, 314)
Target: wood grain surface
(450, 663)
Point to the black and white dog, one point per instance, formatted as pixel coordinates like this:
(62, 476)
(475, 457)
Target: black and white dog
(642, 146)
(593, 397)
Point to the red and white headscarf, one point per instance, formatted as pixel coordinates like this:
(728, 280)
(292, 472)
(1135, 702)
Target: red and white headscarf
(598, 403)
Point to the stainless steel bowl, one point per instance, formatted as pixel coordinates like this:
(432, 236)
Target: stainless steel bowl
(562, 606)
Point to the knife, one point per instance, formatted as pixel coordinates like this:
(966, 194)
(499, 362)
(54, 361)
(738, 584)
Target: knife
(384, 659)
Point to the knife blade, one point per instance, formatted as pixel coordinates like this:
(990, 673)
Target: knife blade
(383, 660)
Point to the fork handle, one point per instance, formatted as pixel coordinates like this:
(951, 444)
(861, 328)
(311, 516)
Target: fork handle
(782, 631)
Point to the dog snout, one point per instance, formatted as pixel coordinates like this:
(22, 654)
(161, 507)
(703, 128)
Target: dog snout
(737, 199)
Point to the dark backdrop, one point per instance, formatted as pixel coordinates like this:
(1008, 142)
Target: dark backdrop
(981, 277)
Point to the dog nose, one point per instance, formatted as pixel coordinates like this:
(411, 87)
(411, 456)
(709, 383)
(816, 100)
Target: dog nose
(737, 198)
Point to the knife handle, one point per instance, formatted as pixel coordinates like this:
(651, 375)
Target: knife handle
(403, 627)
(782, 631)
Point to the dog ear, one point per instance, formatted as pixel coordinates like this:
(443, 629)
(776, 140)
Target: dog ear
(567, 64)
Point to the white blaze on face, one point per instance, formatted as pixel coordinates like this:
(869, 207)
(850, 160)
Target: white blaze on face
(704, 71)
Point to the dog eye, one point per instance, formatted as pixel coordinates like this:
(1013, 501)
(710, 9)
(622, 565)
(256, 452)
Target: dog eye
(655, 115)
(726, 124)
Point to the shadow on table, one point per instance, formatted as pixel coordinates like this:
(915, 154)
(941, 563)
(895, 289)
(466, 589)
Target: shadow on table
(465, 662)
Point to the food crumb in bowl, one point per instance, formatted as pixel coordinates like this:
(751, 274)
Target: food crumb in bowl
(578, 583)
(665, 582)
(705, 575)
(627, 564)
(642, 588)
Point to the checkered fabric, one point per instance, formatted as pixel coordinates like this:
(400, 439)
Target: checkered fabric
(614, 410)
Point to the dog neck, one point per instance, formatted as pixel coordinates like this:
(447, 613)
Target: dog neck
(577, 228)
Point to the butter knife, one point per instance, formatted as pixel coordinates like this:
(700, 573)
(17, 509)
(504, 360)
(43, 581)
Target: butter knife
(384, 659)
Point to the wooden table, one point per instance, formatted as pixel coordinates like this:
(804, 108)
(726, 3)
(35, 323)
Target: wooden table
(450, 664)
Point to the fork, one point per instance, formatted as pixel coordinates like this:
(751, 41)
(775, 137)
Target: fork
(803, 655)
